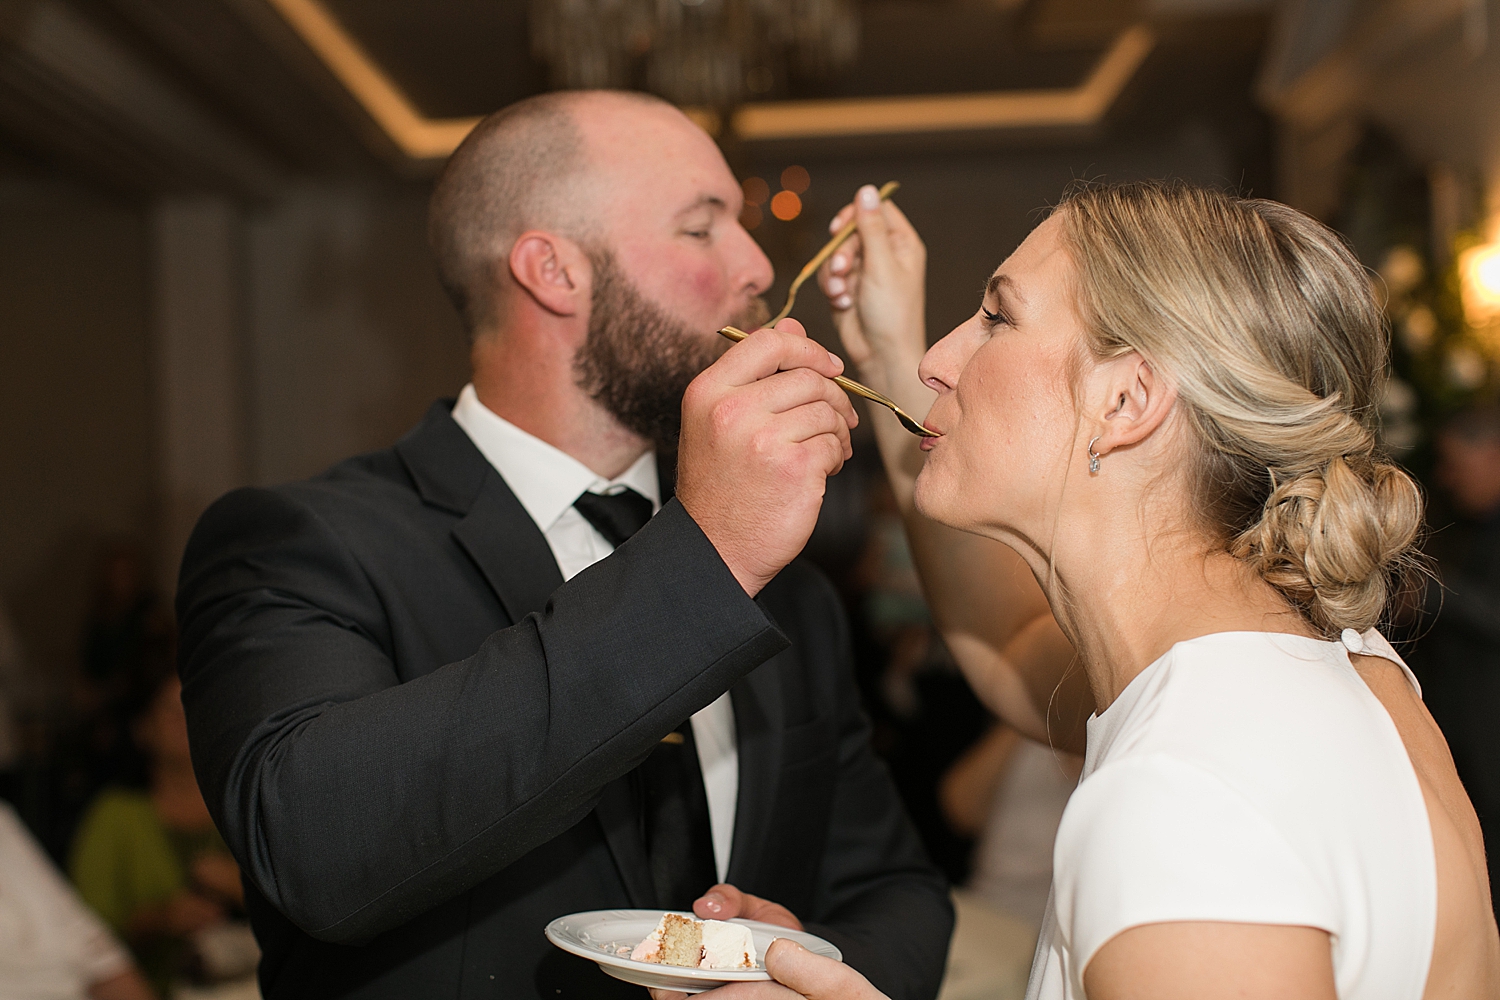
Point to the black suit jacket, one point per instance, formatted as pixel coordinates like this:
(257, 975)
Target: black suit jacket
(416, 738)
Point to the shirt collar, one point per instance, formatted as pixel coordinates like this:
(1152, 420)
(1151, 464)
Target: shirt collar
(545, 479)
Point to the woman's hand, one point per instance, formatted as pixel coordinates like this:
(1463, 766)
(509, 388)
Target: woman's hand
(797, 973)
(876, 284)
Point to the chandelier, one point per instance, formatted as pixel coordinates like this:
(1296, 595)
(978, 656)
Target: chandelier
(692, 52)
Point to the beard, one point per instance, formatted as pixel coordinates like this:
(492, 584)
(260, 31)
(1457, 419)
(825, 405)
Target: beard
(637, 360)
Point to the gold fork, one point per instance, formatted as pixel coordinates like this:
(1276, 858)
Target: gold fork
(886, 190)
(908, 421)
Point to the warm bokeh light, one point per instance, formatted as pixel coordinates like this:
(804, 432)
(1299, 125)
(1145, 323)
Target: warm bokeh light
(750, 216)
(1480, 270)
(796, 179)
(786, 206)
(757, 191)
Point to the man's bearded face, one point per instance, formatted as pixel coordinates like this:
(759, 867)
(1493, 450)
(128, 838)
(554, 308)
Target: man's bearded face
(638, 360)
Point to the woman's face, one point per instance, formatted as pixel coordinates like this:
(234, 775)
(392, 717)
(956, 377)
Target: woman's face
(1005, 405)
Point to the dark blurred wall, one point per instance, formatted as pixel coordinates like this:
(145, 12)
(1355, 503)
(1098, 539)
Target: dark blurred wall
(75, 420)
(351, 335)
(153, 355)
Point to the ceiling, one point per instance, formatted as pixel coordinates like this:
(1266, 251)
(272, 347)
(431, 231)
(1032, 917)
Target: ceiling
(231, 95)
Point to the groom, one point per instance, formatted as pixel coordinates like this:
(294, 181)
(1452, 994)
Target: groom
(446, 692)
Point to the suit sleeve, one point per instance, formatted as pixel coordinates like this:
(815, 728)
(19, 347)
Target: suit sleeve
(355, 802)
(879, 897)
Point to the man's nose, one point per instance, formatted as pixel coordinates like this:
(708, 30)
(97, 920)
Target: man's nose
(754, 272)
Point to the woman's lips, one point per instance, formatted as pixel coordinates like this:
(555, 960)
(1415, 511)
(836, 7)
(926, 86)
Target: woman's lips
(926, 443)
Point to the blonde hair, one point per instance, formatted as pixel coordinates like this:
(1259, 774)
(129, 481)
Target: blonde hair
(1266, 323)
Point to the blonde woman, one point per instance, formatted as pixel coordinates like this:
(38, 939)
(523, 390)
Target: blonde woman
(1164, 405)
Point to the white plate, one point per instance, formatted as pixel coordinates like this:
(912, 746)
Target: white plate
(599, 935)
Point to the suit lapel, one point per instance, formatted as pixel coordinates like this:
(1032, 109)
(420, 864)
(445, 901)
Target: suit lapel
(515, 559)
(509, 549)
(495, 530)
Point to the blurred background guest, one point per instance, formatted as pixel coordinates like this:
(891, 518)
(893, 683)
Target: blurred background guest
(52, 947)
(1006, 793)
(150, 862)
(1009, 793)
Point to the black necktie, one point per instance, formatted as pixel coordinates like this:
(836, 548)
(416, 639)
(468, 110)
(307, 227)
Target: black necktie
(616, 516)
(674, 804)
(679, 837)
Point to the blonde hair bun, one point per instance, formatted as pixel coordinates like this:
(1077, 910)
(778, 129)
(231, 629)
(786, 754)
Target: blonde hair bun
(1266, 322)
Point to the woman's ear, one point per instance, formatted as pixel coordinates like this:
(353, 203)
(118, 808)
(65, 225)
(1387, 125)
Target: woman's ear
(1138, 402)
(553, 270)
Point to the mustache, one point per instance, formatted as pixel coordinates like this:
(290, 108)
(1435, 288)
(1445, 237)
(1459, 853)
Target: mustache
(753, 316)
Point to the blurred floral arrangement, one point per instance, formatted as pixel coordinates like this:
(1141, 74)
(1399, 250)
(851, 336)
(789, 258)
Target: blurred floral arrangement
(1439, 282)
(1445, 327)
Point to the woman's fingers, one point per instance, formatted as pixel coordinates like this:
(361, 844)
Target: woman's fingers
(814, 976)
(874, 232)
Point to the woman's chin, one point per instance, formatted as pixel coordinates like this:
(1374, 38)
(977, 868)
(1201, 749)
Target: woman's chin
(929, 496)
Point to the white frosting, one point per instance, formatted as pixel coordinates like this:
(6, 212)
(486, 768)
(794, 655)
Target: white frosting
(727, 946)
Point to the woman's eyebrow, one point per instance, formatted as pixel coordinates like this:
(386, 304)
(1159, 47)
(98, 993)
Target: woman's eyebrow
(1003, 286)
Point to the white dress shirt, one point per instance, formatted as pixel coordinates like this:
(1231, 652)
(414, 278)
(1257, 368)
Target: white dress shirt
(547, 481)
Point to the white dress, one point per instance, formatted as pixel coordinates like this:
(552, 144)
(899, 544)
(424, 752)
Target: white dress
(1250, 777)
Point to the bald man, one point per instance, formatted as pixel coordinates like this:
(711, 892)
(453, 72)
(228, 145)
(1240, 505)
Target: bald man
(446, 692)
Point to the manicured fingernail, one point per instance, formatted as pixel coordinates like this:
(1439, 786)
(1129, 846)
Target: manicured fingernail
(833, 224)
(843, 302)
(835, 286)
(713, 903)
(869, 197)
(838, 263)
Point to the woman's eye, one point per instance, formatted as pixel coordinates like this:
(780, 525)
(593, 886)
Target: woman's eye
(698, 234)
(993, 318)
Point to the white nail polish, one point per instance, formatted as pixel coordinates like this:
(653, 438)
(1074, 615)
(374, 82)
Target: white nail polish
(869, 197)
(838, 263)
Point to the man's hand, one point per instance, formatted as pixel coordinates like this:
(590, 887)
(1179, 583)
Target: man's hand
(762, 430)
(799, 974)
(725, 902)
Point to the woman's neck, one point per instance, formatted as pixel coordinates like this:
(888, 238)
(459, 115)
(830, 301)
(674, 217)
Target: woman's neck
(1125, 594)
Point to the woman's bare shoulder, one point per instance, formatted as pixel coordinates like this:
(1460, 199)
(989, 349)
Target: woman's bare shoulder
(1466, 945)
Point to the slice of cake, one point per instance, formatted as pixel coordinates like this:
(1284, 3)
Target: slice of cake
(727, 946)
(697, 944)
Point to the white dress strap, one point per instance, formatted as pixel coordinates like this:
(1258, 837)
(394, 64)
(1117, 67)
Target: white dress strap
(1372, 643)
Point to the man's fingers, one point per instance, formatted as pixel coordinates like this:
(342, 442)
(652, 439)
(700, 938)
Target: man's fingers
(790, 389)
(813, 420)
(814, 976)
(766, 352)
(722, 902)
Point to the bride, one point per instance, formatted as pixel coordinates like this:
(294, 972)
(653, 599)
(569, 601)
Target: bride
(1164, 406)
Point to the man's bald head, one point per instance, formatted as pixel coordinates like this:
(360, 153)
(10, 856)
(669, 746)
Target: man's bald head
(527, 166)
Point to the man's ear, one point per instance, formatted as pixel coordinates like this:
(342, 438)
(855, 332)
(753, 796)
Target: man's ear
(1137, 403)
(553, 270)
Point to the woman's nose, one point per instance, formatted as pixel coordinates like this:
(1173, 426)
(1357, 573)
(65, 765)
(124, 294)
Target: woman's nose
(944, 361)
